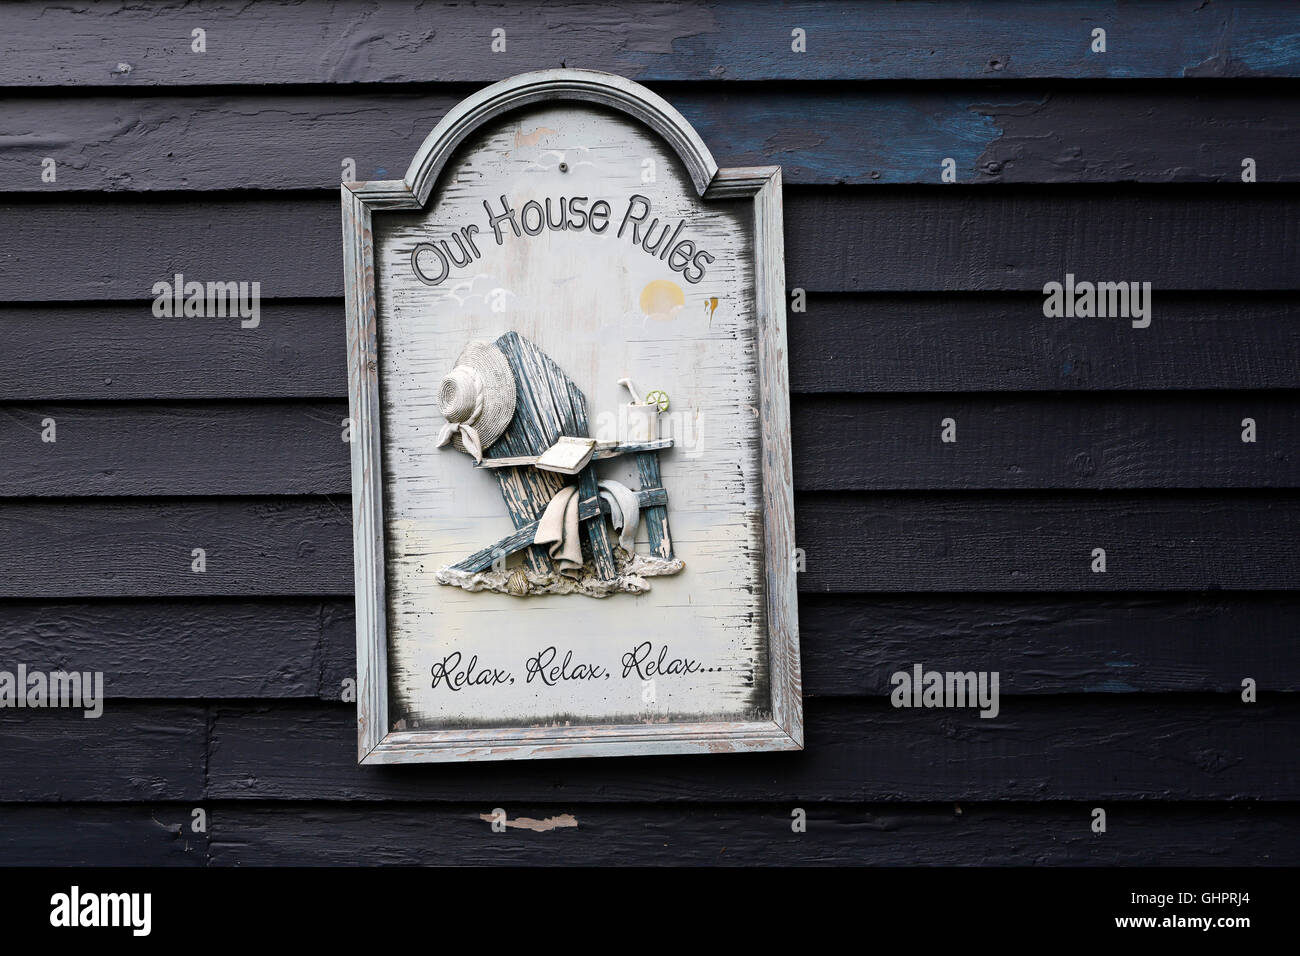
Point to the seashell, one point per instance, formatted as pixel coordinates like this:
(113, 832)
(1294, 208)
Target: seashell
(517, 583)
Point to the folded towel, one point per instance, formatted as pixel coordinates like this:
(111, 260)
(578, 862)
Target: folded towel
(558, 527)
(624, 512)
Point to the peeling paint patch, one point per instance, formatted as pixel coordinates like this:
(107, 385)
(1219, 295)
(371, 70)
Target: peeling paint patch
(563, 821)
(531, 138)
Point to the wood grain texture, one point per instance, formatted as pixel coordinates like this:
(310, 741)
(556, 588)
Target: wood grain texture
(104, 350)
(131, 752)
(856, 342)
(932, 239)
(195, 648)
(79, 835)
(1184, 747)
(122, 249)
(943, 239)
(366, 459)
(853, 542)
(265, 648)
(1170, 747)
(144, 549)
(1000, 342)
(547, 406)
(655, 516)
(1056, 134)
(421, 834)
(1116, 440)
(348, 41)
(1026, 541)
(1053, 643)
(779, 571)
(193, 449)
(747, 835)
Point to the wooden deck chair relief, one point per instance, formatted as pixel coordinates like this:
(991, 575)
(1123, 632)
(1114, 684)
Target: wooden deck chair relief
(545, 410)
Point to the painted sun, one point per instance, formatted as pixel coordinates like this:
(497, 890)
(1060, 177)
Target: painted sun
(661, 300)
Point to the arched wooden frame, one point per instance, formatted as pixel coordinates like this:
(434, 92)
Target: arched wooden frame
(375, 745)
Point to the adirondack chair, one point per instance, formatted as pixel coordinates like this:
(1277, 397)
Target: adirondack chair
(549, 406)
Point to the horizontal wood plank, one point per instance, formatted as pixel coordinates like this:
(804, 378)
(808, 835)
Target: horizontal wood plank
(146, 548)
(112, 249)
(1189, 747)
(221, 448)
(931, 239)
(852, 543)
(1071, 748)
(863, 342)
(1053, 643)
(86, 835)
(841, 443)
(1026, 541)
(195, 648)
(816, 134)
(132, 752)
(1079, 748)
(587, 834)
(271, 648)
(999, 342)
(936, 239)
(1130, 440)
(104, 350)
(735, 835)
(347, 41)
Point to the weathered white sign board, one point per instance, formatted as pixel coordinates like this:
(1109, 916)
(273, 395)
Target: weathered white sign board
(571, 478)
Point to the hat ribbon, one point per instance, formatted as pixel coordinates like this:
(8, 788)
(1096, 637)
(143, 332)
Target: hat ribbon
(468, 433)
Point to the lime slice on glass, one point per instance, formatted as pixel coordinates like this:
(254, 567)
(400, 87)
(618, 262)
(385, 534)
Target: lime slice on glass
(658, 399)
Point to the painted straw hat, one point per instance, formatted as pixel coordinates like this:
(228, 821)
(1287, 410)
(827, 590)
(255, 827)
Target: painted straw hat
(477, 398)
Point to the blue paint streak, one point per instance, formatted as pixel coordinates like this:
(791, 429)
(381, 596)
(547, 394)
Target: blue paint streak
(1111, 687)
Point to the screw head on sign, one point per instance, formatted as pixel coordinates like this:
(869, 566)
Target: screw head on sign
(658, 399)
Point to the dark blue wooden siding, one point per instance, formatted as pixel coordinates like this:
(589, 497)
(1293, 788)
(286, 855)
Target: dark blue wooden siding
(923, 302)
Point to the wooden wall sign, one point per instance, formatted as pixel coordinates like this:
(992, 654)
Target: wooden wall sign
(573, 525)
